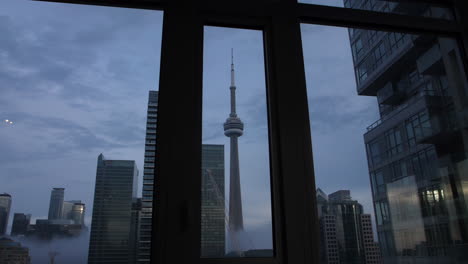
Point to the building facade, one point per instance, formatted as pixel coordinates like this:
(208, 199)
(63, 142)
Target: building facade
(56, 203)
(144, 239)
(21, 224)
(5, 207)
(111, 239)
(213, 216)
(417, 150)
(346, 234)
(13, 252)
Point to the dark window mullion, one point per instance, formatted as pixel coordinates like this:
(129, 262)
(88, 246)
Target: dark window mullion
(346, 17)
(135, 4)
(176, 214)
(293, 182)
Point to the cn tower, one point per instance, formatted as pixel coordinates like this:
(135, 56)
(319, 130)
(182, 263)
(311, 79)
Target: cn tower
(234, 128)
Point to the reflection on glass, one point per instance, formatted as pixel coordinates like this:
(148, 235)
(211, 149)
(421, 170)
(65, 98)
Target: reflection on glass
(236, 205)
(389, 6)
(71, 90)
(415, 153)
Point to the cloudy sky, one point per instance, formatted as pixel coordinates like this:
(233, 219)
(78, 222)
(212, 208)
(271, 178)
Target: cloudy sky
(75, 80)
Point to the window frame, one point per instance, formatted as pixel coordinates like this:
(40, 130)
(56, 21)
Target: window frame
(176, 218)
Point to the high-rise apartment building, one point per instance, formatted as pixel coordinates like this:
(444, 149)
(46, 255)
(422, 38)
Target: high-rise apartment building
(417, 150)
(346, 234)
(213, 207)
(5, 206)
(144, 240)
(13, 252)
(372, 251)
(112, 240)
(56, 203)
(20, 225)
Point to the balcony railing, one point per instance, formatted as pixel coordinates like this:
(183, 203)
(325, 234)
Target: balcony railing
(400, 108)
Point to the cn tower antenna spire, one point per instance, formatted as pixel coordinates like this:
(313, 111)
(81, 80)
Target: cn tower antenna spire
(232, 68)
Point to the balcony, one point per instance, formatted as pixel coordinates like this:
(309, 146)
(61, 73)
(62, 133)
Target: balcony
(391, 67)
(430, 63)
(402, 7)
(390, 94)
(439, 133)
(424, 99)
(387, 70)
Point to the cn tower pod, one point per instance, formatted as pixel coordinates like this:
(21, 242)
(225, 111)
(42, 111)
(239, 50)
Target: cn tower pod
(233, 127)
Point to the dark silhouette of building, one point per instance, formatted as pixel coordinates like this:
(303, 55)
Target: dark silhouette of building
(5, 206)
(213, 208)
(345, 230)
(46, 229)
(135, 229)
(144, 240)
(12, 252)
(416, 151)
(21, 224)
(112, 232)
(56, 203)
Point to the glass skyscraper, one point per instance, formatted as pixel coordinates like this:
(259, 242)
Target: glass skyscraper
(213, 205)
(113, 235)
(417, 150)
(56, 203)
(144, 240)
(5, 206)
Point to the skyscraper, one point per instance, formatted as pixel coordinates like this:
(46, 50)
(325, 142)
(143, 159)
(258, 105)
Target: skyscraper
(111, 239)
(67, 208)
(74, 210)
(345, 230)
(144, 243)
(5, 206)
(135, 228)
(417, 150)
(78, 213)
(20, 224)
(13, 252)
(56, 203)
(213, 207)
(234, 128)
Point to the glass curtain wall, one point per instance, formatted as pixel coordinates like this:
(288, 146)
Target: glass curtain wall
(387, 113)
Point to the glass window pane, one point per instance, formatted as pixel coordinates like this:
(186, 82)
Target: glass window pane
(236, 204)
(389, 6)
(418, 146)
(75, 83)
